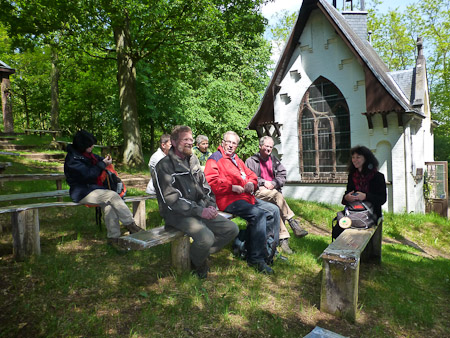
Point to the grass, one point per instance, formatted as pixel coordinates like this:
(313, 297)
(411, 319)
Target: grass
(81, 287)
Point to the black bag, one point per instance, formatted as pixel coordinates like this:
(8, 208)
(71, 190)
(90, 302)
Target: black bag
(111, 181)
(240, 249)
(357, 215)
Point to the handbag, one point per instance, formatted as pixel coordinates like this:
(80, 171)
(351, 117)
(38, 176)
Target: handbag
(357, 214)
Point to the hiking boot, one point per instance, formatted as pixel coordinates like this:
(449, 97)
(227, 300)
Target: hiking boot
(284, 245)
(298, 231)
(262, 267)
(116, 244)
(133, 228)
(200, 271)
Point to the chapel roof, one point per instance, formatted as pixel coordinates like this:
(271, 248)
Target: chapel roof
(385, 91)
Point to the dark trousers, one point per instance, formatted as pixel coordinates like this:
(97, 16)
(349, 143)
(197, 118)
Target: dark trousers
(263, 220)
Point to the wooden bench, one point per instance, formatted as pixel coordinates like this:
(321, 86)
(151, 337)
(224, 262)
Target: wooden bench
(54, 133)
(57, 177)
(180, 243)
(25, 222)
(114, 150)
(340, 273)
(25, 217)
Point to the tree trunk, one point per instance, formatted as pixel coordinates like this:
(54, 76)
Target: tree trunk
(126, 79)
(8, 121)
(55, 74)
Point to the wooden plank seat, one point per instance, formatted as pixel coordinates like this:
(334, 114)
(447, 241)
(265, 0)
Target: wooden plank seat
(41, 132)
(29, 195)
(340, 273)
(180, 243)
(115, 150)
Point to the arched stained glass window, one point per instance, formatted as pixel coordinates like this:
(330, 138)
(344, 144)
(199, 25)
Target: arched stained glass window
(324, 131)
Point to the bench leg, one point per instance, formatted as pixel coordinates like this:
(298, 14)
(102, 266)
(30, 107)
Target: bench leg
(25, 232)
(339, 294)
(139, 214)
(180, 254)
(372, 252)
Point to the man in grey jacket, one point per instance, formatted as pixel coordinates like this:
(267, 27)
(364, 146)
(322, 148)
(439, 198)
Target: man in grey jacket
(187, 203)
(271, 177)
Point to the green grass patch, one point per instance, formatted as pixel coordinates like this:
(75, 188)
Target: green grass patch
(80, 287)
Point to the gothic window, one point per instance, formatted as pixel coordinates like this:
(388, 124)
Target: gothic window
(324, 132)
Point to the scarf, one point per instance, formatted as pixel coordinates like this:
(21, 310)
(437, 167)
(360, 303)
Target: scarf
(361, 181)
(94, 161)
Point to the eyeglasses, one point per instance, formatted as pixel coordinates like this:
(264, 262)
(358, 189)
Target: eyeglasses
(231, 142)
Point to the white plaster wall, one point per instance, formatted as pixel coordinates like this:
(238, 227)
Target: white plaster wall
(331, 193)
(325, 54)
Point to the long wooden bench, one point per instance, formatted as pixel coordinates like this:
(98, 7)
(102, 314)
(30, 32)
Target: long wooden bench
(340, 273)
(25, 222)
(54, 133)
(114, 150)
(180, 243)
(25, 217)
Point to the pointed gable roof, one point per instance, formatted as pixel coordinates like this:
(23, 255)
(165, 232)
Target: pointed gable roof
(383, 94)
(4, 68)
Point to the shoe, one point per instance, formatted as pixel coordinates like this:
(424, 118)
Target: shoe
(298, 231)
(200, 271)
(133, 228)
(116, 244)
(262, 267)
(284, 245)
(281, 257)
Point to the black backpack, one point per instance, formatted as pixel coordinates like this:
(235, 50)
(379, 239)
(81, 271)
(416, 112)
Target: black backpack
(240, 249)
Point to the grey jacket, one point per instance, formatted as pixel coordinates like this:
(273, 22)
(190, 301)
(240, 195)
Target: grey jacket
(181, 190)
(279, 171)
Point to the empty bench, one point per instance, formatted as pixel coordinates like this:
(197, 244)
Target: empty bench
(180, 243)
(340, 273)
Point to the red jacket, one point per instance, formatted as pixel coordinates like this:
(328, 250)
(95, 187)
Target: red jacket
(221, 173)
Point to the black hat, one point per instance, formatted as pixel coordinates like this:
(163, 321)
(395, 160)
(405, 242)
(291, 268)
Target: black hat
(83, 140)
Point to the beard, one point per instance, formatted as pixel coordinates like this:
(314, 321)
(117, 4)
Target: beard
(186, 151)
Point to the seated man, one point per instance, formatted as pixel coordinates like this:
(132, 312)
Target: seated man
(201, 149)
(271, 177)
(163, 150)
(187, 203)
(234, 184)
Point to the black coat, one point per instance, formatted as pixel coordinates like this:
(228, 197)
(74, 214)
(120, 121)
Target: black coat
(376, 194)
(81, 174)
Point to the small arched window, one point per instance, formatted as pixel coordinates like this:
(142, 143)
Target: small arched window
(324, 131)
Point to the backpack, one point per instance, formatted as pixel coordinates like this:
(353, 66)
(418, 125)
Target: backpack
(111, 181)
(240, 249)
(358, 215)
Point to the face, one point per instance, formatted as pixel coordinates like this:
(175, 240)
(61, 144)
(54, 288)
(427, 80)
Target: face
(165, 147)
(229, 144)
(203, 146)
(89, 150)
(183, 146)
(358, 161)
(266, 149)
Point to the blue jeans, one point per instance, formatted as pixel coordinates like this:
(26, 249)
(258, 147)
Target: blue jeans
(263, 220)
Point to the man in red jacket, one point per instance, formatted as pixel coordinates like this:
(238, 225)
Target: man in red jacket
(234, 185)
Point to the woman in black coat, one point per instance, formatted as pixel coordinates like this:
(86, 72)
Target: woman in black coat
(365, 182)
(83, 169)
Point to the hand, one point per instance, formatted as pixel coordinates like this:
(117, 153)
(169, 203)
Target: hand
(269, 185)
(237, 189)
(355, 196)
(249, 188)
(107, 160)
(209, 213)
